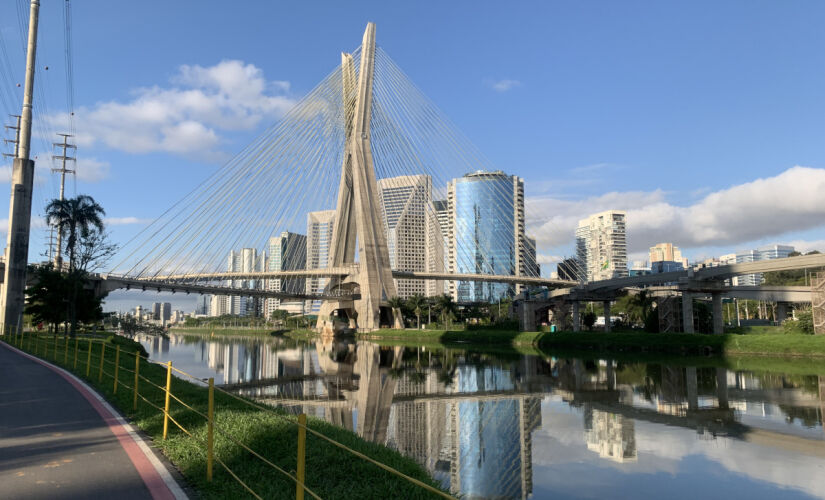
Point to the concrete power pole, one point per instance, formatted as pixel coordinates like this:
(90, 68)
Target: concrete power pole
(20, 208)
(58, 259)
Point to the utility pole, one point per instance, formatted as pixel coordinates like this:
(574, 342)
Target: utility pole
(20, 209)
(16, 140)
(58, 255)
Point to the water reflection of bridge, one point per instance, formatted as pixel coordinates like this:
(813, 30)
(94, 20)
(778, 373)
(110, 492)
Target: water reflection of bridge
(467, 417)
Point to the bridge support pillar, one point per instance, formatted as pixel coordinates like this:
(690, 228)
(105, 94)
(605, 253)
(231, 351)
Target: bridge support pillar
(738, 319)
(718, 319)
(576, 316)
(606, 315)
(781, 312)
(527, 318)
(687, 312)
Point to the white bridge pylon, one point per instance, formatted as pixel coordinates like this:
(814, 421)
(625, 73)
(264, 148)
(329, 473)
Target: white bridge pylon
(358, 213)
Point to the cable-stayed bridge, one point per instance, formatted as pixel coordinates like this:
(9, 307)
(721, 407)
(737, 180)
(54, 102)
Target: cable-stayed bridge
(356, 196)
(363, 192)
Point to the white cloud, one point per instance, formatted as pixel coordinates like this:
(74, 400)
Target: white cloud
(504, 85)
(187, 117)
(91, 169)
(121, 221)
(548, 259)
(763, 208)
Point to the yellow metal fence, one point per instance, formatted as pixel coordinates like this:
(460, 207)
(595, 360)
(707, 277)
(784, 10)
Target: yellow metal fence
(59, 349)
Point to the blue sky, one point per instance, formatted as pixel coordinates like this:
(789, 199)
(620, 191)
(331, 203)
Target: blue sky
(690, 116)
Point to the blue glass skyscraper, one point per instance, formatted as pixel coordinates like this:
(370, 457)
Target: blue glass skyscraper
(487, 226)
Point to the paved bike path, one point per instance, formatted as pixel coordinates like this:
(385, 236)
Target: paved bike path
(60, 440)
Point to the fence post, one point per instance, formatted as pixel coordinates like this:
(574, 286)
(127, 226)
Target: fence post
(302, 452)
(166, 405)
(89, 359)
(117, 363)
(102, 355)
(30, 343)
(137, 370)
(210, 423)
(74, 365)
(66, 351)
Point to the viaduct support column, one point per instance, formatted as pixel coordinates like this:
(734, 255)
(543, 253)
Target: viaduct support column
(576, 316)
(607, 316)
(718, 319)
(687, 312)
(781, 312)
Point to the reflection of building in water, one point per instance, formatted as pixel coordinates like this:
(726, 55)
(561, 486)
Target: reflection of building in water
(610, 435)
(493, 437)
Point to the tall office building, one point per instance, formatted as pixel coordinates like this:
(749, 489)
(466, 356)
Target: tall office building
(601, 245)
(287, 252)
(667, 252)
(412, 230)
(319, 238)
(486, 212)
(246, 261)
(762, 253)
(442, 216)
(165, 312)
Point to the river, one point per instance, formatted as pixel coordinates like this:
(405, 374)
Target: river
(509, 425)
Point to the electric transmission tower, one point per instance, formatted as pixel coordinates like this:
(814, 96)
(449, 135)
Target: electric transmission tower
(63, 157)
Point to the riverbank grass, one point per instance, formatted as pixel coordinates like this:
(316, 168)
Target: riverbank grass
(673, 343)
(331, 472)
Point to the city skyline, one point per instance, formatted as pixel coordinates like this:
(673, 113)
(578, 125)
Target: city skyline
(561, 187)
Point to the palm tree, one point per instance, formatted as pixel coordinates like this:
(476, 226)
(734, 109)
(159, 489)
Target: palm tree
(72, 217)
(397, 303)
(447, 306)
(416, 302)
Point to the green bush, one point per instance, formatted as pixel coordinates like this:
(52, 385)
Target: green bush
(804, 323)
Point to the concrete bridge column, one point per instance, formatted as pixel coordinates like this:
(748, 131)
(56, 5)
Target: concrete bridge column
(576, 316)
(687, 312)
(738, 319)
(528, 316)
(718, 319)
(781, 312)
(606, 315)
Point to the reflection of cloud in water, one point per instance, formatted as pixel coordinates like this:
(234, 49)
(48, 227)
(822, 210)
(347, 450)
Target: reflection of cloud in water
(560, 446)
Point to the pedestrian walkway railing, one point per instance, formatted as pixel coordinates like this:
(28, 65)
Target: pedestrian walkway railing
(99, 361)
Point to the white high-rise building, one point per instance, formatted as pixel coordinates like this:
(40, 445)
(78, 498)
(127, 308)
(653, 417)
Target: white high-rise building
(442, 216)
(667, 252)
(287, 252)
(319, 239)
(601, 245)
(412, 230)
(245, 261)
(768, 252)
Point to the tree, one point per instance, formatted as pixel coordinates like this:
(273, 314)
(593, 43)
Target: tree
(56, 297)
(589, 319)
(94, 250)
(73, 218)
(447, 307)
(415, 303)
(396, 303)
